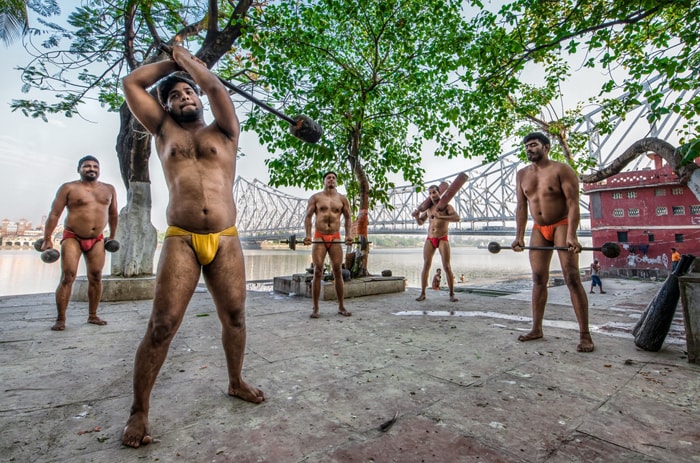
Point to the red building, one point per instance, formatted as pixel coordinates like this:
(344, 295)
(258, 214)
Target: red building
(647, 212)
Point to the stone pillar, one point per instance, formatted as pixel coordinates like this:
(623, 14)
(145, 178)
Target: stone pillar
(690, 298)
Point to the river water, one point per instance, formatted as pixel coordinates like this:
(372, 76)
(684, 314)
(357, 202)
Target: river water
(23, 272)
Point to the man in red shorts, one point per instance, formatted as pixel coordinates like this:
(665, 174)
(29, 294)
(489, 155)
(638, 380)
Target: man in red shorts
(91, 205)
(439, 220)
(328, 206)
(550, 190)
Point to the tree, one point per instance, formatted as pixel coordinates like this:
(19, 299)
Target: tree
(13, 21)
(375, 75)
(108, 40)
(14, 18)
(643, 48)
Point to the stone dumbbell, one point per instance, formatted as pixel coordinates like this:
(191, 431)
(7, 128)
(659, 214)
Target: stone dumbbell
(112, 245)
(50, 255)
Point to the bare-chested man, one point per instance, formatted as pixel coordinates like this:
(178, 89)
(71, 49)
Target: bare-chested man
(437, 240)
(91, 206)
(199, 163)
(328, 206)
(551, 192)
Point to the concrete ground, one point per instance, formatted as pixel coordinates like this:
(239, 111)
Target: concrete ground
(464, 388)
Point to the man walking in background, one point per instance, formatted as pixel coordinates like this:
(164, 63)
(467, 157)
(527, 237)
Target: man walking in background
(595, 278)
(675, 259)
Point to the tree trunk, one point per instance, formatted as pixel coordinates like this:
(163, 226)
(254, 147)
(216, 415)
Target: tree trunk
(137, 236)
(361, 256)
(688, 174)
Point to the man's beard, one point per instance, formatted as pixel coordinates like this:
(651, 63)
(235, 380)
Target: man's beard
(190, 116)
(534, 156)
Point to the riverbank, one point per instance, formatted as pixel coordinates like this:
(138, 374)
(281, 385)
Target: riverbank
(462, 388)
(22, 272)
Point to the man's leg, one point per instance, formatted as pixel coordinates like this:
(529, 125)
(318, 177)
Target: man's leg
(335, 252)
(445, 254)
(95, 262)
(428, 253)
(176, 278)
(225, 279)
(579, 300)
(539, 263)
(318, 256)
(70, 257)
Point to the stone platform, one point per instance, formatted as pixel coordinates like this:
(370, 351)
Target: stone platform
(115, 289)
(300, 284)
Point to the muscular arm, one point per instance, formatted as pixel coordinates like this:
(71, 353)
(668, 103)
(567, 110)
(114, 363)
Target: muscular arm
(219, 99)
(113, 214)
(310, 211)
(57, 207)
(420, 217)
(143, 106)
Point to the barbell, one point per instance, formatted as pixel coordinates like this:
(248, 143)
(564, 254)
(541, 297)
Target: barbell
(293, 241)
(608, 249)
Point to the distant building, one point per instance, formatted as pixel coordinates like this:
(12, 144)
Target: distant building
(19, 234)
(647, 212)
(18, 228)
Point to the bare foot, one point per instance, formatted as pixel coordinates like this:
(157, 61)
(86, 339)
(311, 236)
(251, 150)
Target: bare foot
(247, 392)
(586, 343)
(314, 314)
(95, 320)
(531, 336)
(603, 292)
(136, 432)
(344, 313)
(453, 298)
(60, 325)
(421, 298)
